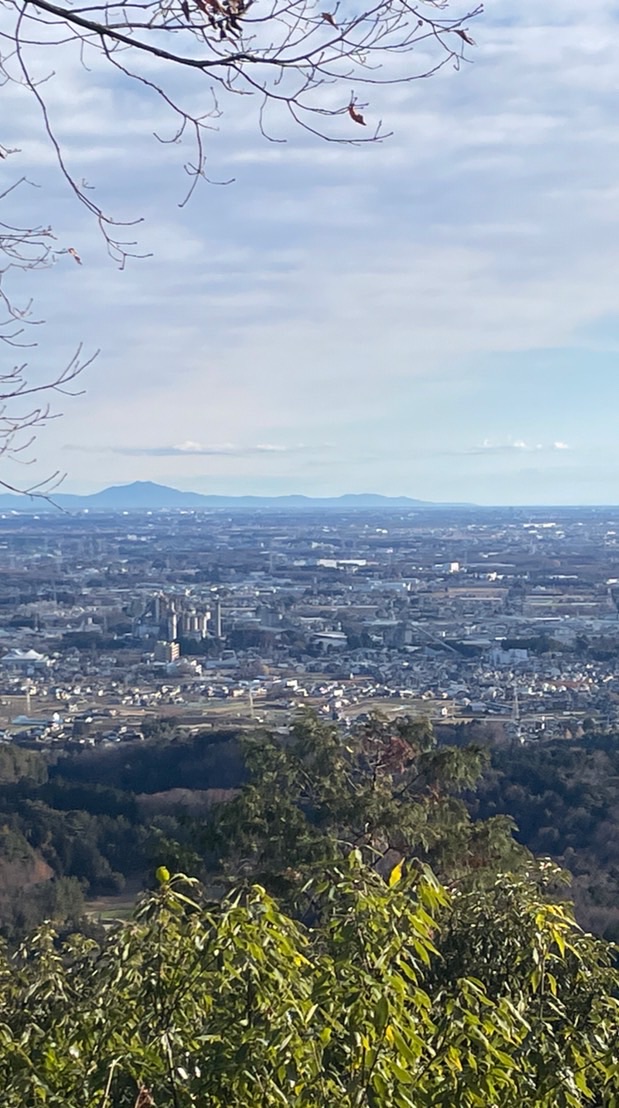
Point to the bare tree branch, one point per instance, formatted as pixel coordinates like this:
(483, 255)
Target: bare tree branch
(28, 248)
(300, 56)
(307, 59)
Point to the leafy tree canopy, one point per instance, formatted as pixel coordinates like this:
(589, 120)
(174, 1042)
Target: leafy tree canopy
(237, 1004)
(388, 789)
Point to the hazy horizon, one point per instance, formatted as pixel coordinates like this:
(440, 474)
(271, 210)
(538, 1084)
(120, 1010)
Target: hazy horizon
(71, 489)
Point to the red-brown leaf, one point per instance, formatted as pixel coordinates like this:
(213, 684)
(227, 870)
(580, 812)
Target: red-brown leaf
(466, 37)
(144, 1099)
(354, 114)
(74, 254)
(328, 18)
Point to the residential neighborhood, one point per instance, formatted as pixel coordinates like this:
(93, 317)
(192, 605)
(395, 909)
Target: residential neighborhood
(109, 621)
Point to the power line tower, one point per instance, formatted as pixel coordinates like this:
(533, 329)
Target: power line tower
(516, 719)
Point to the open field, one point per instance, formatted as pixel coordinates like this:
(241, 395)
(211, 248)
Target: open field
(114, 907)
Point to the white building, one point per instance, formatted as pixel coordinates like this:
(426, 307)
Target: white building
(25, 661)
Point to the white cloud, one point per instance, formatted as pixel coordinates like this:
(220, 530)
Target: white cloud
(192, 449)
(514, 446)
(364, 295)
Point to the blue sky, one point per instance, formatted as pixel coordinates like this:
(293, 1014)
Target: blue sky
(436, 316)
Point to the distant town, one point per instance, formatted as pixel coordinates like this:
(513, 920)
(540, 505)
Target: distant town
(112, 620)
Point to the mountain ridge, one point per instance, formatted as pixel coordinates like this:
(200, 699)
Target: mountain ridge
(151, 496)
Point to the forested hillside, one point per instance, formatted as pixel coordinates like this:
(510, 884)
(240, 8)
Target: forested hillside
(82, 825)
(378, 946)
(564, 799)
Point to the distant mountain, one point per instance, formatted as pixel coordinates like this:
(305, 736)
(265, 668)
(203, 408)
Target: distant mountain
(149, 496)
(140, 494)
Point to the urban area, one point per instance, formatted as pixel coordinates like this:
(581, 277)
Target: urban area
(111, 620)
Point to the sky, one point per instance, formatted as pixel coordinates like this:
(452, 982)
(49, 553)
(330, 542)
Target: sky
(434, 316)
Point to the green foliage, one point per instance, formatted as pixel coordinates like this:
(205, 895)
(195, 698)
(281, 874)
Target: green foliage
(385, 787)
(564, 799)
(529, 953)
(28, 893)
(237, 1005)
(21, 765)
(348, 974)
(159, 727)
(211, 759)
(73, 823)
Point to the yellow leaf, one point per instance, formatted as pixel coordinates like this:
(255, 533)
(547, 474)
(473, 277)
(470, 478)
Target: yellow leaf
(396, 874)
(162, 874)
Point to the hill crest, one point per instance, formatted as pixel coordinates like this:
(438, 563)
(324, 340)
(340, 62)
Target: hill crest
(151, 496)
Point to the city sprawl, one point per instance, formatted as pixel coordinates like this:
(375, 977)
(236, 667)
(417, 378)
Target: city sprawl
(504, 616)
